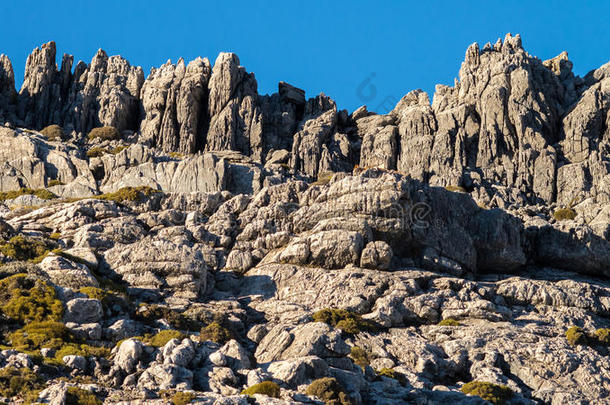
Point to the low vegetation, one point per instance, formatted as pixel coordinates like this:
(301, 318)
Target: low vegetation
(161, 338)
(79, 396)
(177, 397)
(96, 152)
(38, 335)
(268, 388)
(150, 314)
(129, 194)
(576, 336)
(456, 189)
(22, 382)
(26, 300)
(347, 321)
(360, 356)
(41, 193)
(494, 393)
(328, 390)
(393, 374)
(323, 179)
(104, 133)
(215, 332)
(564, 214)
(449, 322)
(55, 182)
(108, 298)
(21, 248)
(53, 133)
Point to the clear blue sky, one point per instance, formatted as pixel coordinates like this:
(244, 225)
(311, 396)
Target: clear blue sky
(329, 46)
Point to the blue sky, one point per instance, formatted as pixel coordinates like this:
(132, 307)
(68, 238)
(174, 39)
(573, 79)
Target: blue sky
(316, 45)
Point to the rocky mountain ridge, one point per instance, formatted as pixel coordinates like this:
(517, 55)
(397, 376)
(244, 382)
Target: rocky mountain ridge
(179, 237)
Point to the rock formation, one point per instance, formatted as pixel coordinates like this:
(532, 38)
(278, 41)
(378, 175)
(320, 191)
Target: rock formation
(229, 248)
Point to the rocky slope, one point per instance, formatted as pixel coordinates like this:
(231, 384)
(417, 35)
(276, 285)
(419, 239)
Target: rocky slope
(217, 239)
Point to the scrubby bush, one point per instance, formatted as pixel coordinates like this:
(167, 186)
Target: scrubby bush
(360, 356)
(22, 381)
(449, 322)
(96, 152)
(149, 314)
(42, 193)
(564, 214)
(78, 349)
(79, 396)
(38, 335)
(603, 336)
(129, 194)
(576, 336)
(118, 149)
(215, 332)
(108, 298)
(164, 336)
(183, 398)
(104, 133)
(21, 248)
(494, 393)
(27, 300)
(55, 182)
(176, 155)
(268, 388)
(323, 178)
(53, 133)
(347, 321)
(393, 374)
(328, 390)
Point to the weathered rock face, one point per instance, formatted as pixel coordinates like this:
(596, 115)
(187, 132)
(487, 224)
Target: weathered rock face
(224, 264)
(174, 98)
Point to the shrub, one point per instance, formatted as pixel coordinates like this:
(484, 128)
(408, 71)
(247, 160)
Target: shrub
(129, 194)
(182, 398)
(79, 396)
(22, 381)
(216, 333)
(149, 314)
(494, 393)
(55, 236)
(576, 336)
(456, 189)
(323, 179)
(348, 322)
(104, 133)
(77, 349)
(118, 149)
(56, 182)
(28, 300)
(564, 214)
(96, 152)
(268, 388)
(164, 336)
(38, 335)
(449, 322)
(176, 155)
(53, 133)
(603, 336)
(393, 374)
(328, 390)
(21, 248)
(360, 356)
(42, 193)
(108, 298)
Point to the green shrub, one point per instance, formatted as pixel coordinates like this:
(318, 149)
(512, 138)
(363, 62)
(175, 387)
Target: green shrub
(129, 194)
(494, 393)
(27, 300)
(21, 248)
(268, 388)
(78, 349)
(38, 335)
(96, 152)
(456, 189)
(104, 133)
(42, 193)
(215, 332)
(53, 133)
(328, 390)
(149, 314)
(15, 382)
(108, 298)
(79, 396)
(56, 182)
(164, 336)
(603, 336)
(576, 336)
(118, 149)
(323, 179)
(564, 214)
(348, 322)
(449, 322)
(393, 374)
(360, 356)
(182, 398)
(176, 155)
